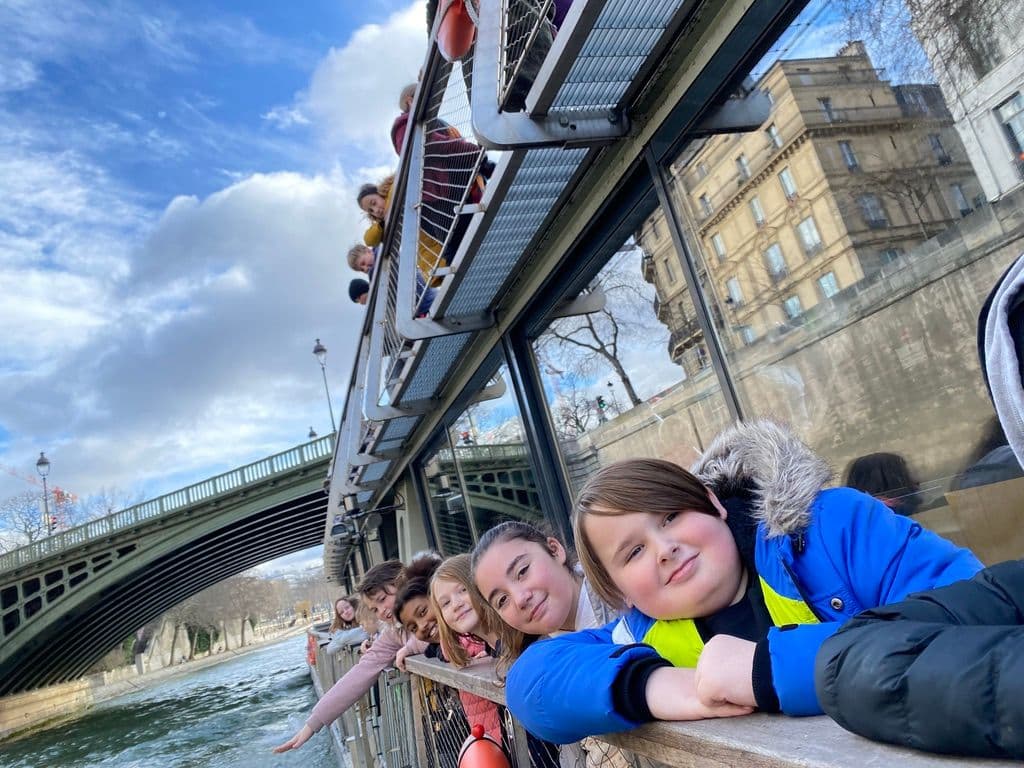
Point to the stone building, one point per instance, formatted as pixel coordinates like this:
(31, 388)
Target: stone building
(976, 52)
(847, 174)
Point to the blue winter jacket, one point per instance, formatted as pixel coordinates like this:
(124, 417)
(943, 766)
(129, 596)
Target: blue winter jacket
(838, 550)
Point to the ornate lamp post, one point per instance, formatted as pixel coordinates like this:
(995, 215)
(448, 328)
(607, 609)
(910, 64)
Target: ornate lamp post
(320, 352)
(312, 434)
(43, 468)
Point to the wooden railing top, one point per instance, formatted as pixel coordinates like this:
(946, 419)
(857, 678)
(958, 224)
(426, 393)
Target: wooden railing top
(755, 741)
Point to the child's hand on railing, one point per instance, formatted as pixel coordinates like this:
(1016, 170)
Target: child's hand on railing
(725, 672)
(672, 695)
(365, 645)
(400, 657)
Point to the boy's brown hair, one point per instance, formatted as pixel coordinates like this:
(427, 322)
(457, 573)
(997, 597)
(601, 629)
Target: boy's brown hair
(634, 485)
(382, 576)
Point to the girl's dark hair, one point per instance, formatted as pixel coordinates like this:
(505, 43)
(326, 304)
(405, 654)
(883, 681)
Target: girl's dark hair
(340, 623)
(512, 530)
(417, 580)
(365, 190)
(879, 474)
(635, 485)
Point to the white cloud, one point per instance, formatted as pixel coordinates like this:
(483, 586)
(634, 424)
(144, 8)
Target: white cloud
(285, 117)
(353, 95)
(199, 359)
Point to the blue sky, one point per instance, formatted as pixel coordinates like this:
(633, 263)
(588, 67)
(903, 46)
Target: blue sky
(176, 198)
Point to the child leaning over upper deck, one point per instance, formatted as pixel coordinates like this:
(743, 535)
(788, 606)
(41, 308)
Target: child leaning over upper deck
(733, 577)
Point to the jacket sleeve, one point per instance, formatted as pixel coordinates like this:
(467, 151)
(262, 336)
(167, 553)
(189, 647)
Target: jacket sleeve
(561, 688)
(357, 681)
(343, 638)
(880, 558)
(941, 671)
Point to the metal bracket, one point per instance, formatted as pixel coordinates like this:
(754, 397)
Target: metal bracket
(584, 304)
(737, 115)
(495, 129)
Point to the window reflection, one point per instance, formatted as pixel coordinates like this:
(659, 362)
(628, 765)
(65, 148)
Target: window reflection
(482, 475)
(614, 377)
(861, 246)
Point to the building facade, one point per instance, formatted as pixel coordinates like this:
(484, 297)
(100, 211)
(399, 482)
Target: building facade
(845, 177)
(976, 52)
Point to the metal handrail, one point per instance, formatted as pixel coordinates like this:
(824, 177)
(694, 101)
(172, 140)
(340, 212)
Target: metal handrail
(260, 470)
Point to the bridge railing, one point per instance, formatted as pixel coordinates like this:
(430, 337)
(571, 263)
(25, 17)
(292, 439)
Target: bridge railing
(232, 480)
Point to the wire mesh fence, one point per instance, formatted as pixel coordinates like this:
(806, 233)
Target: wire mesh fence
(455, 169)
(527, 34)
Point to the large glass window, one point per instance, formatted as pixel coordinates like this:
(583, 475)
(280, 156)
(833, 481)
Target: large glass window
(631, 378)
(868, 349)
(481, 476)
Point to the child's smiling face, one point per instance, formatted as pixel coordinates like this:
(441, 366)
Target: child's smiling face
(374, 205)
(418, 619)
(682, 565)
(456, 608)
(529, 585)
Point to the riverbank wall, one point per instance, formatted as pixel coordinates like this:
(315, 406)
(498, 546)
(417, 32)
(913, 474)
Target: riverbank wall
(22, 713)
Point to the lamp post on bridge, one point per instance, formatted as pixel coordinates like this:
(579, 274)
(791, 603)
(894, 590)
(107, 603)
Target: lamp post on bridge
(312, 433)
(320, 352)
(43, 468)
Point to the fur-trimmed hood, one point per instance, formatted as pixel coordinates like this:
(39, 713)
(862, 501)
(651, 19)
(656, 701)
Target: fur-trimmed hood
(768, 460)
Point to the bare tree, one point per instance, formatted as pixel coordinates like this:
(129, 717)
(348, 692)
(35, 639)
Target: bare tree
(583, 344)
(21, 520)
(960, 36)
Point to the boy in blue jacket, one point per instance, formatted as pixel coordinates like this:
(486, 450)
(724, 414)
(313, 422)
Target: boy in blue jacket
(731, 577)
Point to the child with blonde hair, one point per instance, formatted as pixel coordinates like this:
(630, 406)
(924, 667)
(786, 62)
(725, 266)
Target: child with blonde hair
(468, 630)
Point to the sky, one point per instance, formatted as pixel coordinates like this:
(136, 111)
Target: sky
(177, 195)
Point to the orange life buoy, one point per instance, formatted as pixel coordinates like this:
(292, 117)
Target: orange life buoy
(456, 32)
(311, 650)
(481, 751)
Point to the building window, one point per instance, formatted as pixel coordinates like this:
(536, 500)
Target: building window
(941, 156)
(889, 255)
(775, 262)
(773, 136)
(960, 199)
(757, 211)
(873, 212)
(788, 185)
(1011, 115)
(719, 245)
(702, 170)
(670, 276)
(747, 334)
(743, 167)
(792, 307)
(809, 237)
(848, 155)
(705, 205)
(770, 96)
(732, 287)
(979, 42)
(828, 285)
(826, 108)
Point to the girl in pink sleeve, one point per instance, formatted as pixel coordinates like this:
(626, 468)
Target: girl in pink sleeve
(377, 591)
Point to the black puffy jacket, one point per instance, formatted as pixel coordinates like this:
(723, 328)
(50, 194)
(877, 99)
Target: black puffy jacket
(942, 671)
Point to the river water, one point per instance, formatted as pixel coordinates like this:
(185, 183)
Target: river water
(225, 716)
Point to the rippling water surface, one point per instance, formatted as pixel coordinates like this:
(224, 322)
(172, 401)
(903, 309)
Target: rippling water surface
(226, 716)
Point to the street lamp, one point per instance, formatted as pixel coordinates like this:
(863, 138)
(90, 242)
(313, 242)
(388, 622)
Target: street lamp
(312, 434)
(43, 468)
(320, 352)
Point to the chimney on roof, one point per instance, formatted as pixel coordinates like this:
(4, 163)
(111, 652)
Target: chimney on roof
(853, 48)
